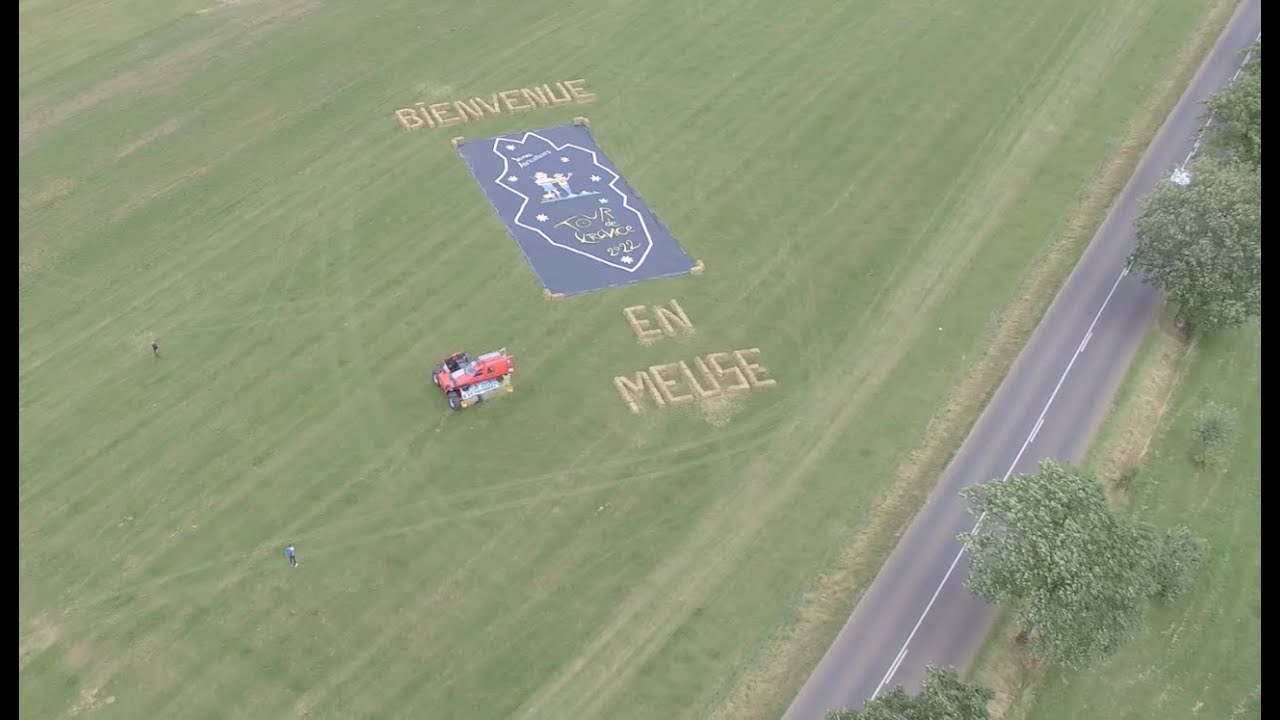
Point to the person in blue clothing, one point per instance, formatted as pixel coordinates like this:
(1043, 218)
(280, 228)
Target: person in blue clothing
(293, 559)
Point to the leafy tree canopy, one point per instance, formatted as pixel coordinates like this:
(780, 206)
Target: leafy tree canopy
(1202, 243)
(1237, 113)
(943, 696)
(1052, 548)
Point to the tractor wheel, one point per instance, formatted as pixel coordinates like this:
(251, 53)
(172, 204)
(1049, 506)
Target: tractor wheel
(455, 400)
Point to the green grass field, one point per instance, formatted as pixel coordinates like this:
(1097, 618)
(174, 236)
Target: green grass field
(870, 185)
(1202, 656)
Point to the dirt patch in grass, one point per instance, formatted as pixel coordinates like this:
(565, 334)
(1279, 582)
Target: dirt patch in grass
(36, 255)
(719, 410)
(90, 700)
(224, 5)
(60, 187)
(165, 71)
(1250, 704)
(79, 655)
(167, 128)
(41, 635)
(159, 190)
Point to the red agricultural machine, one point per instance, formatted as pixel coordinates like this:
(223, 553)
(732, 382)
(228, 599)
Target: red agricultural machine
(466, 381)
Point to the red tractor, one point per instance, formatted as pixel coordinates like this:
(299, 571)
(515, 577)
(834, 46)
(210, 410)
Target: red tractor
(466, 381)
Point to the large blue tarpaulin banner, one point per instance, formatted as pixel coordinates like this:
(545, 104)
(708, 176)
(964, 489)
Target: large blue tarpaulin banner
(576, 219)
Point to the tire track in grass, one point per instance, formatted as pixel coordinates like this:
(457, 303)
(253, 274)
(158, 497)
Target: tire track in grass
(334, 680)
(196, 261)
(911, 145)
(34, 491)
(280, 459)
(768, 676)
(514, 628)
(193, 577)
(646, 619)
(305, 341)
(693, 557)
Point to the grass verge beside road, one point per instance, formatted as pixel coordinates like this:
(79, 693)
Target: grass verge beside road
(1201, 656)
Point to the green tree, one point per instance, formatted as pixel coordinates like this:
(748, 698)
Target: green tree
(943, 696)
(1050, 546)
(1237, 113)
(1213, 431)
(1181, 556)
(1202, 243)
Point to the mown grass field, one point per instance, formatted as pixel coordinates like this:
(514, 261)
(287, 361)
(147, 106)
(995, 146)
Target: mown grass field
(1202, 655)
(868, 184)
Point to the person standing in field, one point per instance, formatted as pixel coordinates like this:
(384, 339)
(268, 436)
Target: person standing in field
(293, 559)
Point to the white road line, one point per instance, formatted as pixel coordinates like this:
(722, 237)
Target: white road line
(897, 661)
(902, 654)
(1039, 421)
(1195, 147)
(1036, 430)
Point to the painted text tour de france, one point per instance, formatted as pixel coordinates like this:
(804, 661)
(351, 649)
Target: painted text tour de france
(701, 378)
(503, 102)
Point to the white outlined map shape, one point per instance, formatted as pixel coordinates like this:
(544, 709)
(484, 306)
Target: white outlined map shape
(595, 160)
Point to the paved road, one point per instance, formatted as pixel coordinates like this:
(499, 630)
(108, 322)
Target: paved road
(918, 611)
